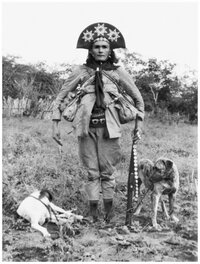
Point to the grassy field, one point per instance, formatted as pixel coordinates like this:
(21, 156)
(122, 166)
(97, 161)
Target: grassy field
(31, 160)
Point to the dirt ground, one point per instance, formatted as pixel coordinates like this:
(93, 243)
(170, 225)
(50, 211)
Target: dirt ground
(114, 242)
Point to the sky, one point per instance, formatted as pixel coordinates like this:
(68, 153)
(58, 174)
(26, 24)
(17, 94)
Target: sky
(48, 31)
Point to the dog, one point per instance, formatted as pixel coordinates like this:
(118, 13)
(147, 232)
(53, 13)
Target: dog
(38, 208)
(162, 178)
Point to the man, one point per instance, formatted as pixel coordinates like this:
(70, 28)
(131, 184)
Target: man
(97, 123)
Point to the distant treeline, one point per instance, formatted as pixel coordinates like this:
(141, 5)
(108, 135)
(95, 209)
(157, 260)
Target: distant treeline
(161, 87)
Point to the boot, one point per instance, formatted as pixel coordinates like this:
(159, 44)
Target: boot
(108, 203)
(94, 210)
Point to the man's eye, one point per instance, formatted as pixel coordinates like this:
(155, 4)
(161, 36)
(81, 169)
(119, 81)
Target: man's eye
(98, 47)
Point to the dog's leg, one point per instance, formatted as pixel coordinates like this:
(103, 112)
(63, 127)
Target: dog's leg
(164, 209)
(172, 198)
(137, 212)
(140, 203)
(155, 201)
(38, 227)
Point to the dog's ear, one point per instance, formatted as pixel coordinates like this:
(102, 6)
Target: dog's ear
(142, 166)
(145, 163)
(47, 193)
(169, 165)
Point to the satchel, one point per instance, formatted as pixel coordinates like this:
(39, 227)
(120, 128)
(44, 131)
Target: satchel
(70, 107)
(124, 103)
(126, 110)
(70, 110)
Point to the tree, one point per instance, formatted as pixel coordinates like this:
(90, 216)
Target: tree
(31, 81)
(133, 62)
(189, 95)
(157, 81)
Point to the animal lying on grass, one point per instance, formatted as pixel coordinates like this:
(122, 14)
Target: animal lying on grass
(38, 208)
(162, 178)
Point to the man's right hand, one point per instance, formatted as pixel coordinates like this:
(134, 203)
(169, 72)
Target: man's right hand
(56, 133)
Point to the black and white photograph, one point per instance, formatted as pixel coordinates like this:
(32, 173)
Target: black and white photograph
(99, 131)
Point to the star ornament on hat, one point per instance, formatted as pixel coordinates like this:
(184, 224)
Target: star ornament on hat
(101, 32)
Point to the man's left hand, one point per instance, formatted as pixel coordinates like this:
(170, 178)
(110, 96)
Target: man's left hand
(136, 135)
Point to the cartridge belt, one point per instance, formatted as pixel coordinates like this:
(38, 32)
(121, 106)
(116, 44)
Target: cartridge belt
(98, 120)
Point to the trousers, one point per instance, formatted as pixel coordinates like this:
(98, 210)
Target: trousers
(99, 155)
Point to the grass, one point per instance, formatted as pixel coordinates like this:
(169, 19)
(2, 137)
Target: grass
(31, 160)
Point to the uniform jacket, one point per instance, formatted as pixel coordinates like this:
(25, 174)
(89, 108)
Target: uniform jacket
(85, 76)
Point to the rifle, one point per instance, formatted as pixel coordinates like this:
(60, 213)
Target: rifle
(132, 179)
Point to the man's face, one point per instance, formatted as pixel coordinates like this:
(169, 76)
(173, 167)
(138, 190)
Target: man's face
(100, 50)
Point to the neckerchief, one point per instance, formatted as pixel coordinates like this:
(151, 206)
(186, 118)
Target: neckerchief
(98, 81)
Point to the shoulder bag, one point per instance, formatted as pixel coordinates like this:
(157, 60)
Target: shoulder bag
(124, 103)
(69, 108)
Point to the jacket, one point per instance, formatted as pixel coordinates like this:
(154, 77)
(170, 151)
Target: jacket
(84, 76)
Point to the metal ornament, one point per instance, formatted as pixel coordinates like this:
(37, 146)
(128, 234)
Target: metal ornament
(133, 181)
(135, 167)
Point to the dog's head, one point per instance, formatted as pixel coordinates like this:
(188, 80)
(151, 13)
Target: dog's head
(46, 193)
(161, 169)
(145, 168)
